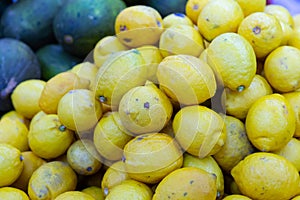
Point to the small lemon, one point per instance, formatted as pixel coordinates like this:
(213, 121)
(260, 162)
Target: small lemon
(250, 7)
(236, 197)
(264, 175)
(95, 192)
(175, 19)
(71, 195)
(193, 8)
(86, 70)
(15, 115)
(187, 183)
(294, 99)
(13, 194)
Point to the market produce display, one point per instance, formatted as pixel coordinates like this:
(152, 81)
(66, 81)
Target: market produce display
(149, 100)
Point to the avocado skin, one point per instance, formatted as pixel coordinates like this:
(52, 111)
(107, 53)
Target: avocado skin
(30, 21)
(80, 24)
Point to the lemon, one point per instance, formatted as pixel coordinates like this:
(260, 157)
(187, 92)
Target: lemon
(181, 39)
(145, 109)
(281, 68)
(281, 13)
(71, 195)
(11, 164)
(193, 8)
(264, 175)
(263, 31)
(86, 70)
(130, 189)
(14, 132)
(187, 183)
(78, 110)
(287, 33)
(199, 130)
(186, 79)
(48, 138)
(219, 16)
(106, 46)
(237, 145)
(209, 165)
(253, 6)
(176, 18)
(13, 193)
(50, 180)
(238, 103)
(57, 87)
(236, 197)
(123, 71)
(31, 163)
(95, 192)
(150, 157)
(25, 97)
(110, 136)
(36, 118)
(294, 39)
(138, 25)
(233, 60)
(262, 115)
(294, 99)
(296, 198)
(15, 115)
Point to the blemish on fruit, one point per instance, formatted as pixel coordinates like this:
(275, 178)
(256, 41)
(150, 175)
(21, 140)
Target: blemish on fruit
(62, 128)
(158, 23)
(102, 99)
(191, 182)
(123, 27)
(195, 7)
(21, 158)
(136, 99)
(240, 88)
(185, 193)
(89, 169)
(68, 39)
(123, 159)
(127, 40)
(206, 19)
(256, 30)
(147, 105)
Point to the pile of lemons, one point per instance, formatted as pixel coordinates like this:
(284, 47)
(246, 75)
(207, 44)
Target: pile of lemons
(201, 105)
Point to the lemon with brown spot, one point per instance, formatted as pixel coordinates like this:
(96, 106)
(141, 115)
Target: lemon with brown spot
(294, 99)
(193, 8)
(250, 7)
(175, 19)
(13, 193)
(70, 195)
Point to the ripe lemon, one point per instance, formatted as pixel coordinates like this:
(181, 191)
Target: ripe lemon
(186, 79)
(181, 39)
(281, 68)
(233, 60)
(11, 164)
(265, 176)
(238, 103)
(25, 97)
(13, 193)
(294, 100)
(57, 87)
(263, 31)
(236, 197)
(199, 130)
(193, 9)
(130, 189)
(296, 19)
(145, 109)
(250, 7)
(294, 39)
(121, 72)
(14, 132)
(71, 195)
(281, 13)
(150, 157)
(209, 165)
(78, 110)
(50, 180)
(175, 19)
(138, 25)
(95, 192)
(36, 118)
(262, 115)
(48, 138)
(17, 116)
(86, 70)
(219, 16)
(187, 183)
(237, 145)
(296, 198)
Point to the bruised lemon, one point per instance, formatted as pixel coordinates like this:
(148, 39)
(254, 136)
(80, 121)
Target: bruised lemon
(219, 16)
(294, 99)
(13, 193)
(269, 177)
(193, 9)
(11, 164)
(145, 109)
(199, 130)
(138, 25)
(187, 183)
(186, 79)
(250, 7)
(70, 195)
(176, 18)
(233, 60)
(150, 157)
(86, 70)
(95, 192)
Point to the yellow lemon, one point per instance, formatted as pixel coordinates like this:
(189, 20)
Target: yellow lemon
(48, 138)
(175, 19)
(36, 118)
(17, 116)
(281, 68)
(238, 103)
(237, 145)
(95, 192)
(199, 130)
(123, 71)
(11, 164)
(236, 197)
(193, 9)
(31, 163)
(150, 157)
(186, 79)
(14, 132)
(250, 7)
(287, 33)
(296, 19)
(296, 198)
(50, 180)
(281, 13)
(25, 97)
(86, 70)
(262, 115)
(57, 87)
(181, 39)
(138, 25)
(71, 195)
(265, 176)
(263, 31)
(187, 183)
(219, 16)
(233, 60)
(208, 164)
(78, 110)
(145, 109)
(13, 194)
(130, 189)
(294, 99)
(294, 39)
(106, 46)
